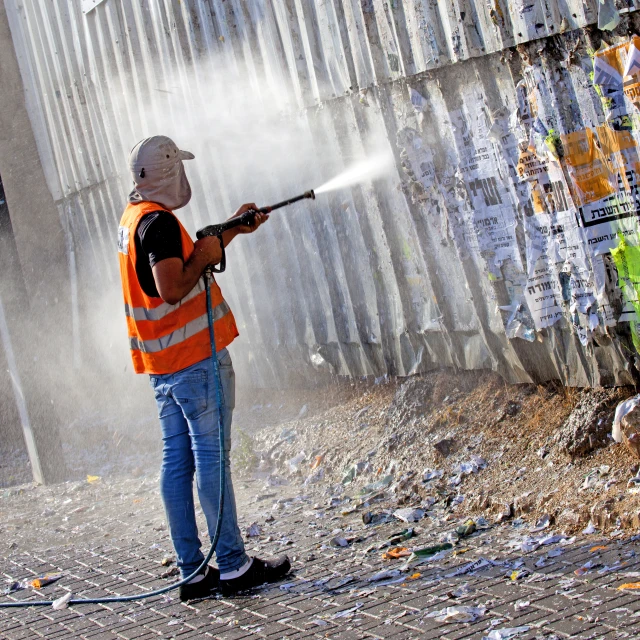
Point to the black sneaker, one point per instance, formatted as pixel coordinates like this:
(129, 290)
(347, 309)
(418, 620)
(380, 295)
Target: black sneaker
(260, 572)
(202, 588)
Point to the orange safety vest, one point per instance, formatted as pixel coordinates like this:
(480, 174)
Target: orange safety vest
(165, 338)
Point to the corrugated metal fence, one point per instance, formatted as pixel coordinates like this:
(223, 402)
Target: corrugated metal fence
(472, 254)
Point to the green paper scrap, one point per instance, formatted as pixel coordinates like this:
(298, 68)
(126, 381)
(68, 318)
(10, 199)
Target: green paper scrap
(627, 260)
(426, 552)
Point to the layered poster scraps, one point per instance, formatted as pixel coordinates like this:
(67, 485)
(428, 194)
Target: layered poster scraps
(583, 196)
(572, 194)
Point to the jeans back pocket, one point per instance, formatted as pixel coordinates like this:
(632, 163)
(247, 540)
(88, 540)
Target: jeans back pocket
(191, 392)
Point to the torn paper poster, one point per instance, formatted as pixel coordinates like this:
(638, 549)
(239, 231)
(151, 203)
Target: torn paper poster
(608, 15)
(543, 293)
(606, 74)
(615, 72)
(603, 166)
(418, 102)
(518, 323)
(417, 160)
(492, 219)
(632, 64)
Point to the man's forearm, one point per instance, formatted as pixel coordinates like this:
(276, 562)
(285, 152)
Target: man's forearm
(192, 272)
(175, 278)
(229, 235)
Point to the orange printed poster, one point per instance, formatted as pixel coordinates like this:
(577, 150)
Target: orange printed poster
(604, 168)
(590, 173)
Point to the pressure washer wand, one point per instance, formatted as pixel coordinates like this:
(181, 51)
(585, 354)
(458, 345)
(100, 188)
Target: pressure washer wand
(248, 216)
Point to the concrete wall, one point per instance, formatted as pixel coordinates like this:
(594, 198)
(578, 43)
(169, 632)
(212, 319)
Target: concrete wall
(34, 286)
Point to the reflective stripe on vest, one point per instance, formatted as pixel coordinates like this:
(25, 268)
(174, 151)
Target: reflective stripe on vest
(157, 313)
(179, 335)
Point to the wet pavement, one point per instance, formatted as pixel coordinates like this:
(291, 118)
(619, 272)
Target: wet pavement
(108, 538)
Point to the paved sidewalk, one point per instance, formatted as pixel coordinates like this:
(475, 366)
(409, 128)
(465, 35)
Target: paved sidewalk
(109, 539)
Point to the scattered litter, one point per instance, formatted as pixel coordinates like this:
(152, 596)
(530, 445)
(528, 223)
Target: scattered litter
(350, 475)
(458, 614)
(13, 586)
(339, 541)
(315, 477)
(296, 461)
(598, 547)
(347, 612)
(377, 486)
(369, 517)
(585, 568)
(542, 523)
(254, 530)
(396, 553)
(62, 602)
(629, 585)
(505, 634)
(93, 479)
(591, 528)
(397, 538)
(463, 590)
(473, 466)
(621, 411)
(342, 582)
(428, 552)
(166, 561)
(44, 580)
(472, 567)
(529, 544)
(290, 585)
(431, 474)
(518, 574)
(591, 480)
(521, 605)
(409, 515)
(384, 575)
(466, 529)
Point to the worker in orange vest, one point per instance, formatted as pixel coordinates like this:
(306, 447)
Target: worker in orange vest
(167, 322)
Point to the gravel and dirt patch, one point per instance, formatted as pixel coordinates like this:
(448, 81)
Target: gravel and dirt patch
(502, 450)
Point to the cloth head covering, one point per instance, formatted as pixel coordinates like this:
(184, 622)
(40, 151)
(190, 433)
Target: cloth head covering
(158, 173)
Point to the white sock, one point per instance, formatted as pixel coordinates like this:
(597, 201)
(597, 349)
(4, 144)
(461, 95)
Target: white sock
(231, 575)
(199, 577)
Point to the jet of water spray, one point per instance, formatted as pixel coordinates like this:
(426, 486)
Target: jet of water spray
(369, 169)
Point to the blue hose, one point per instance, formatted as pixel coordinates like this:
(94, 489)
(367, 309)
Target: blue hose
(216, 535)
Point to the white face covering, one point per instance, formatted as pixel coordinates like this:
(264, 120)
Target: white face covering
(158, 173)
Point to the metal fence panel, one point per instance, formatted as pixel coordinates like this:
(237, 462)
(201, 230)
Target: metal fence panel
(436, 264)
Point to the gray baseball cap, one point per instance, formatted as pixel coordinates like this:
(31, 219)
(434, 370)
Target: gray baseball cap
(158, 173)
(156, 152)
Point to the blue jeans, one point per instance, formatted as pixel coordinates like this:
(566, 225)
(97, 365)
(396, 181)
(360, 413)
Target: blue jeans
(188, 412)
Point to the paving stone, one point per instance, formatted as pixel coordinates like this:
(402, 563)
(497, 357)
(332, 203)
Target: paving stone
(131, 565)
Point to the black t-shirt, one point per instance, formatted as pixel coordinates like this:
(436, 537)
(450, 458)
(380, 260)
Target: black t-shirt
(158, 237)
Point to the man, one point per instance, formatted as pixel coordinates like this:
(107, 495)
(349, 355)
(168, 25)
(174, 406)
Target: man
(165, 306)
